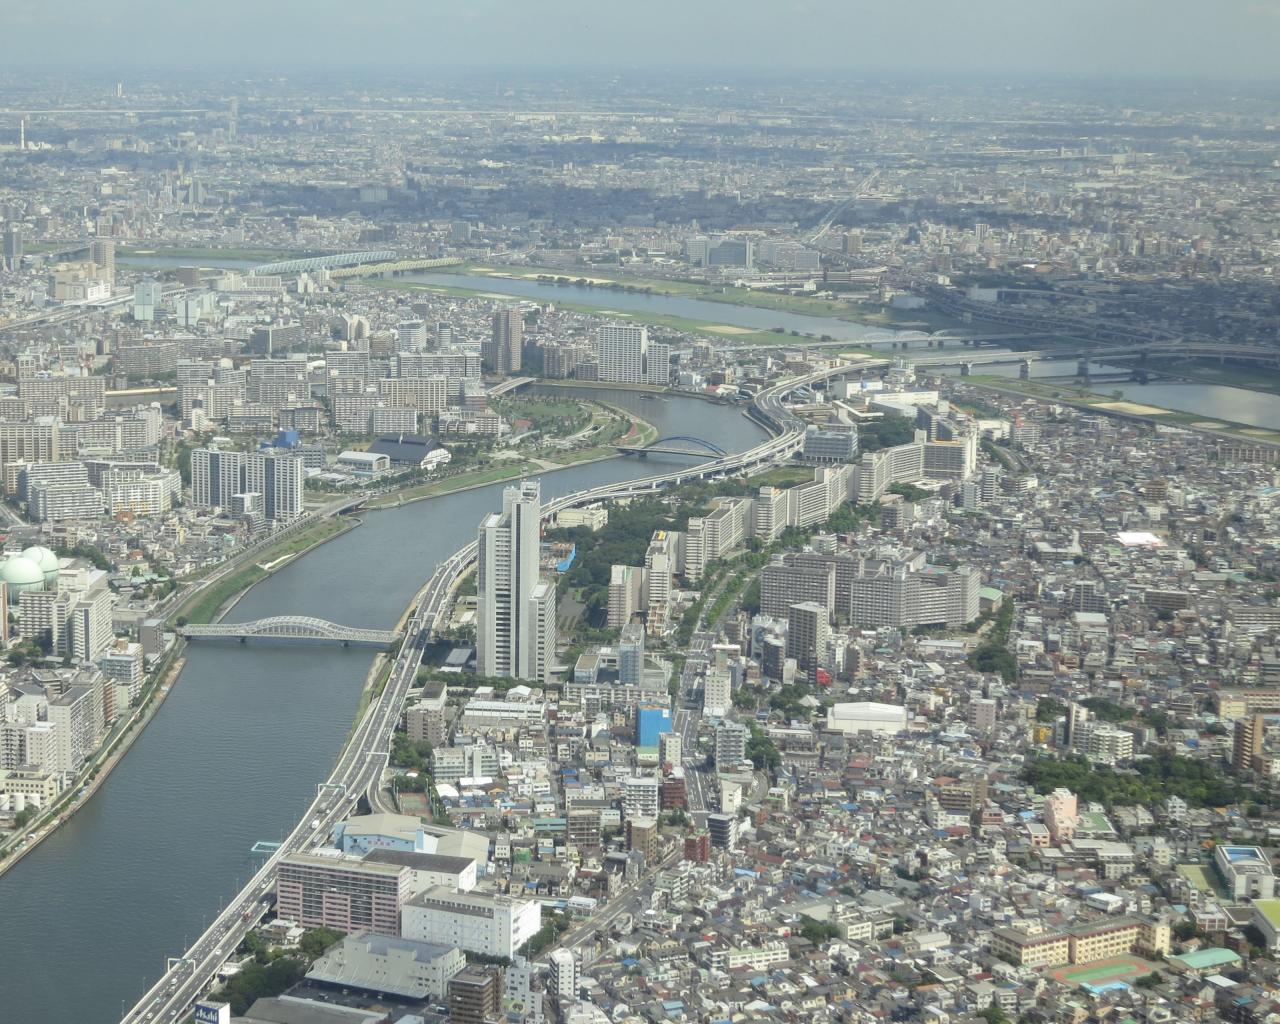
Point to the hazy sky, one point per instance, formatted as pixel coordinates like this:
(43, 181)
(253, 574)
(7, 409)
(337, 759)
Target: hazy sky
(1165, 38)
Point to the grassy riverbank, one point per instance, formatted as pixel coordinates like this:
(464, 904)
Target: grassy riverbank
(686, 325)
(1091, 400)
(205, 604)
(849, 309)
(200, 253)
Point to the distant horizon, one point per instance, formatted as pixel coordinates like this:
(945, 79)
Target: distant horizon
(1084, 40)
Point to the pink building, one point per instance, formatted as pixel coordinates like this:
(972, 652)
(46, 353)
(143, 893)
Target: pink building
(341, 892)
(1060, 815)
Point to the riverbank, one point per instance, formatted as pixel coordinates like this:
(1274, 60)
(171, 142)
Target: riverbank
(849, 310)
(211, 604)
(709, 329)
(96, 771)
(642, 432)
(1090, 401)
(198, 253)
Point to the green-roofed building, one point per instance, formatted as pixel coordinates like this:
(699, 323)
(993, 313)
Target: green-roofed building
(1266, 915)
(1212, 959)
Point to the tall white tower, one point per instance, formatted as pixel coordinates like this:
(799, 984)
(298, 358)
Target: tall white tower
(510, 624)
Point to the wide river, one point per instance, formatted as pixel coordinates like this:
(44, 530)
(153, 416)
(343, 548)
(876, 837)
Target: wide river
(235, 753)
(1213, 401)
(1255, 408)
(627, 303)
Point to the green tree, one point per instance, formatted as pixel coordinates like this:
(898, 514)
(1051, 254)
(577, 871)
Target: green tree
(315, 941)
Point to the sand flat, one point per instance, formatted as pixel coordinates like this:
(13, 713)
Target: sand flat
(728, 329)
(1132, 408)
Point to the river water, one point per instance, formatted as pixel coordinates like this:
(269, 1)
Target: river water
(1213, 401)
(1210, 400)
(235, 753)
(624, 302)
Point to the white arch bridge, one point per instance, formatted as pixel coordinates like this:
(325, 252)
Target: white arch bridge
(291, 627)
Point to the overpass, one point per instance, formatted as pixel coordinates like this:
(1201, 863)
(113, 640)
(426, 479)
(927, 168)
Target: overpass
(364, 760)
(292, 627)
(679, 444)
(506, 386)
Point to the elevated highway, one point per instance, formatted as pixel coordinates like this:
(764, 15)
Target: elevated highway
(365, 759)
(507, 386)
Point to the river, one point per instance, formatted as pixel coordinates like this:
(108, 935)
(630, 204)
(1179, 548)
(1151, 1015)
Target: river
(1213, 401)
(235, 753)
(730, 314)
(1218, 401)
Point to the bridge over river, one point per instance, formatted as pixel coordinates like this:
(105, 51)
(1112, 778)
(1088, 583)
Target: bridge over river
(292, 627)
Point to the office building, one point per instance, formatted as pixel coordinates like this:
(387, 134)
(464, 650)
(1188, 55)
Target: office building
(475, 995)
(730, 746)
(631, 655)
(217, 477)
(412, 335)
(565, 974)
(13, 247)
(504, 348)
(102, 251)
(808, 627)
(717, 693)
(349, 894)
(146, 299)
(642, 836)
(627, 356)
(515, 609)
(626, 594)
(640, 797)
(723, 831)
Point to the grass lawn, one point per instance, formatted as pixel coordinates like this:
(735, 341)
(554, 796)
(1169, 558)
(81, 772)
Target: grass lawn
(783, 476)
(488, 475)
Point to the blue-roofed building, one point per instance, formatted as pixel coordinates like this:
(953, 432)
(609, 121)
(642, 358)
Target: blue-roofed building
(651, 723)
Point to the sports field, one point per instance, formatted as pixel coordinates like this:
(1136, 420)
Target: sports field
(1104, 973)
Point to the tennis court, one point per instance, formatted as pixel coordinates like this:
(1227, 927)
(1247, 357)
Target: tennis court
(1104, 973)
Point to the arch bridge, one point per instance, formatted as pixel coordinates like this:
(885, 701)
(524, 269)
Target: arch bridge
(679, 444)
(292, 627)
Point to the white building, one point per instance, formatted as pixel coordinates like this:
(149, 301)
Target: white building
(640, 797)
(396, 966)
(565, 974)
(481, 923)
(515, 616)
(867, 716)
(627, 356)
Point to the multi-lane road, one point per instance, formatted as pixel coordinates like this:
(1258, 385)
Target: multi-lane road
(364, 760)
